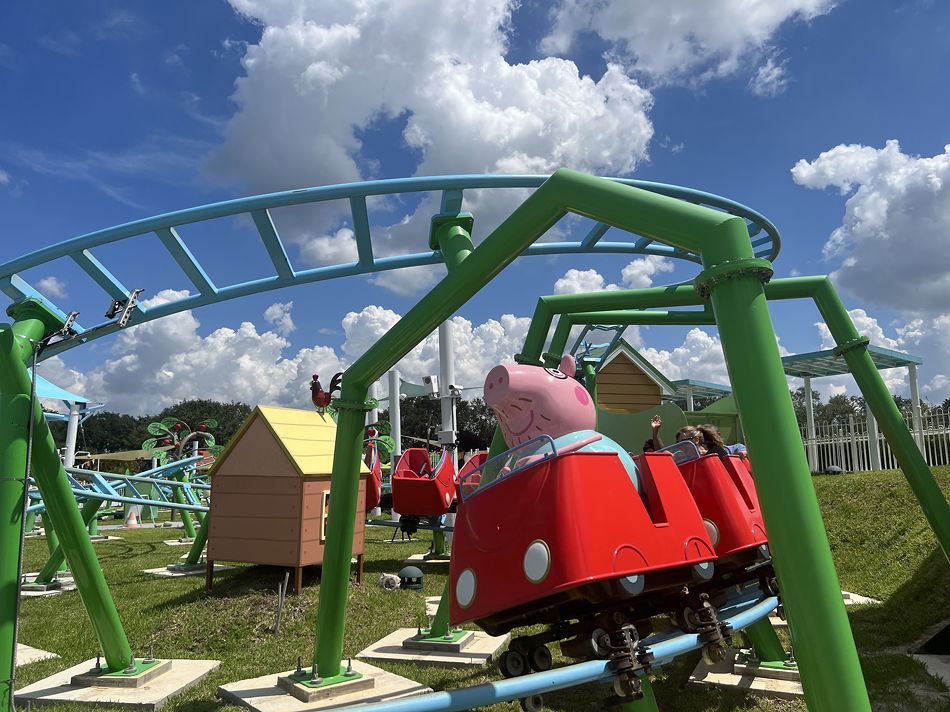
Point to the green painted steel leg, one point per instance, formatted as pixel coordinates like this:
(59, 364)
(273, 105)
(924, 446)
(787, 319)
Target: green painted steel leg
(52, 544)
(590, 380)
(93, 526)
(647, 703)
(15, 408)
(438, 544)
(198, 545)
(185, 516)
(56, 560)
(341, 523)
(768, 648)
(827, 658)
(885, 411)
(33, 321)
(440, 624)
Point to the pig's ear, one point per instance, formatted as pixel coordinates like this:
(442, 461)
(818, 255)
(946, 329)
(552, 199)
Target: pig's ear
(568, 366)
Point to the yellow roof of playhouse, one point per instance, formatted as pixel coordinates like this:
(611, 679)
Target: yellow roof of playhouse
(305, 436)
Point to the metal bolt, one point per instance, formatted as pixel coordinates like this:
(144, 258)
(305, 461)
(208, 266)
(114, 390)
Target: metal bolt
(299, 666)
(350, 672)
(314, 678)
(131, 668)
(98, 663)
(150, 658)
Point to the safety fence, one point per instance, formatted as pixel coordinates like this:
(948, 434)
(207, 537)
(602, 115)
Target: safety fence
(850, 443)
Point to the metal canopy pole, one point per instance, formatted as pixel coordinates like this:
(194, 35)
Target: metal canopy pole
(810, 427)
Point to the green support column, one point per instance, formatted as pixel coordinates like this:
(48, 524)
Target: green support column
(56, 560)
(811, 592)
(33, 322)
(590, 380)
(52, 544)
(198, 545)
(185, 515)
(440, 624)
(765, 640)
(15, 407)
(534, 217)
(647, 703)
(854, 350)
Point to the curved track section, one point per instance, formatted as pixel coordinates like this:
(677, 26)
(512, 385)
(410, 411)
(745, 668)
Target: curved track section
(81, 250)
(739, 615)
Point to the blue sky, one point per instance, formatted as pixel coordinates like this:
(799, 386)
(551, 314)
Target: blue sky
(116, 112)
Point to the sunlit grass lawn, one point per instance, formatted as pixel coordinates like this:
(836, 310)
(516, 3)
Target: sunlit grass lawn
(880, 541)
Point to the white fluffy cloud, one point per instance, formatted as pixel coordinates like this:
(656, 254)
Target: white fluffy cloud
(890, 244)
(321, 74)
(278, 315)
(699, 357)
(161, 362)
(770, 79)
(638, 274)
(52, 287)
(677, 40)
(4, 177)
(895, 378)
(888, 249)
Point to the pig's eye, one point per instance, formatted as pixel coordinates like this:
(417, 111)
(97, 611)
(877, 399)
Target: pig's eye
(557, 374)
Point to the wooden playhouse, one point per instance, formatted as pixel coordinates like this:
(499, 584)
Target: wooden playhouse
(270, 492)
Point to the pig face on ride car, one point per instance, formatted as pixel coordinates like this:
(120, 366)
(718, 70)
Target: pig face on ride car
(531, 401)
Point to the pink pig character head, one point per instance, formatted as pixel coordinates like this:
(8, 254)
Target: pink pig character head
(530, 401)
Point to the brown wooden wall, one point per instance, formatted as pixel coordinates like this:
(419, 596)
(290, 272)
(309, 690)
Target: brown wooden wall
(264, 512)
(623, 386)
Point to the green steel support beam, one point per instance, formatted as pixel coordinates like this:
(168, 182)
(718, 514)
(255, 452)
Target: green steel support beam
(440, 624)
(732, 279)
(630, 317)
(526, 224)
(15, 407)
(768, 648)
(590, 380)
(550, 306)
(185, 515)
(853, 348)
(57, 558)
(33, 322)
(647, 703)
(198, 545)
(52, 544)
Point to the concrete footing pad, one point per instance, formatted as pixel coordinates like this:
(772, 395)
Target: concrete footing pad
(855, 599)
(58, 688)
(26, 655)
(30, 589)
(478, 650)
(770, 682)
(184, 541)
(420, 559)
(937, 665)
(196, 570)
(263, 694)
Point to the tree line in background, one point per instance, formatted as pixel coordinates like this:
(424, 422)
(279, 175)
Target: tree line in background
(841, 407)
(421, 420)
(106, 432)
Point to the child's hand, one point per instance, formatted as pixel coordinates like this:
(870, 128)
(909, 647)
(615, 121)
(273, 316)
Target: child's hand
(656, 422)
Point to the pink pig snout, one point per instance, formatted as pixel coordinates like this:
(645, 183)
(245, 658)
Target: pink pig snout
(497, 386)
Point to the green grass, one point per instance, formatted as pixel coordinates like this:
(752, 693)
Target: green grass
(880, 540)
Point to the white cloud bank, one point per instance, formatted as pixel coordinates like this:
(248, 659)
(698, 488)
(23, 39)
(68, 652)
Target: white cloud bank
(890, 248)
(321, 74)
(161, 362)
(682, 40)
